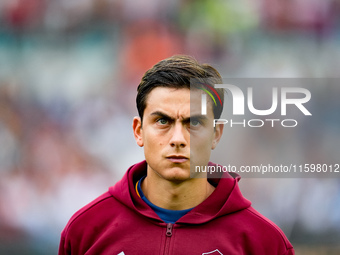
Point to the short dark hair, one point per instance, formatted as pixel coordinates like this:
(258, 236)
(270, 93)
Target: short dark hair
(177, 72)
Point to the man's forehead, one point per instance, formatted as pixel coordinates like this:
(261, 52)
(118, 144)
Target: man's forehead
(165, 95)
(186, 92)
(175, 102)
(192, 94)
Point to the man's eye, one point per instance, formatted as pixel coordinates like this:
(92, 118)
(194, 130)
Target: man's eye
(194, 122)
(162, 121)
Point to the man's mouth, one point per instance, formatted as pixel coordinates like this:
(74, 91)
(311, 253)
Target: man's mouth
(177, 158)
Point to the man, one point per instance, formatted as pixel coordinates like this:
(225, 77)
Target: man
(158, 207)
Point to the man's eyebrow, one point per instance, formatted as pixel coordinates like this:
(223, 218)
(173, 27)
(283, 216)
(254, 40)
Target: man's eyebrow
(196, 117)
(199, 116)
(161, 114)
(166, 116)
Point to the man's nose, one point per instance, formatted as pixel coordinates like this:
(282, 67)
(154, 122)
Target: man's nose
(178, 138)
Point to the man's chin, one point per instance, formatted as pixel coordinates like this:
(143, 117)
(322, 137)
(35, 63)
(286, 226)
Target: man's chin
(177, 174)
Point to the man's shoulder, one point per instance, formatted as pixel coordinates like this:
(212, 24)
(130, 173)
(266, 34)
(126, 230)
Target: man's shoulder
(254, 231)
(106, 207)
(94, 207)
(260, 219)
(265, 228)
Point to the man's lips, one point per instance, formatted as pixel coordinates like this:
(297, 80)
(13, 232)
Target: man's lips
(177, 158)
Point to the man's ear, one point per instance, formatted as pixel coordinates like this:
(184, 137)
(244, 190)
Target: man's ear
(217, 135)
(137, 130)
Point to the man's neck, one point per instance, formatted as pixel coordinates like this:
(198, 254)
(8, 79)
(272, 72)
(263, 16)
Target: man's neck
(176, 195)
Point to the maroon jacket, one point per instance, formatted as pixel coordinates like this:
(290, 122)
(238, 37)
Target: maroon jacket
(120, 222)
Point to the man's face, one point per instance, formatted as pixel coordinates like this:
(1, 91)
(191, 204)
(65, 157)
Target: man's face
(174, 134)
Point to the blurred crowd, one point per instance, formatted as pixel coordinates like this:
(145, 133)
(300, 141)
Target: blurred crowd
(68, 76)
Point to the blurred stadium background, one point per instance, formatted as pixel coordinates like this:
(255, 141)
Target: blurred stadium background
(68, 76)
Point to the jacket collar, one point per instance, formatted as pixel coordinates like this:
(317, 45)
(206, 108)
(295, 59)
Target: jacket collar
(226, 198)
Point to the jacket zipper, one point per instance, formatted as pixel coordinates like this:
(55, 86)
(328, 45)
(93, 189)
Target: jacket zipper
(168, 237)
(169, 230)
